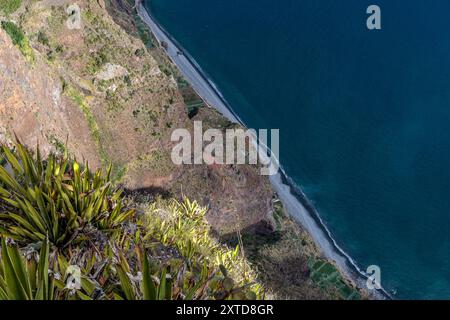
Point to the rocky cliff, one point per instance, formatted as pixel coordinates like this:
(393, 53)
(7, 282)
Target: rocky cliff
(108, 97)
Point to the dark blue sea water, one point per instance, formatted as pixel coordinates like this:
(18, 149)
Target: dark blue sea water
(364, 115)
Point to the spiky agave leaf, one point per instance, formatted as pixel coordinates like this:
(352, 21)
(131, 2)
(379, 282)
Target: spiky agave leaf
(54, 198)
(22, 280)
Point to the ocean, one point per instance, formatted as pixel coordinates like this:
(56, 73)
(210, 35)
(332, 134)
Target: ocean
(363, 115)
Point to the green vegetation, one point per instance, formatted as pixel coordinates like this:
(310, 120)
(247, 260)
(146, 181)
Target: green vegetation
(20, 280)
(14, 32)
(93, 126)
(118, 171)
(19, 39)
(142, 29)
(286, 263)
(57, 201)
(191, 99)
(143, 32)
(182, 225)
(139, 52)
(62, 218)
(9, 6)
(97, 60)
(43, 38)
(327, 277)
(157, 162)
(59, 146)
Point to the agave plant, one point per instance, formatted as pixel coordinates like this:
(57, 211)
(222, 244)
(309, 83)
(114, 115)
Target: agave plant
(39, 279)
(54, 198)
(144, 287)
(158, 283)
(25, 280)
(66, 284)
(183, 225)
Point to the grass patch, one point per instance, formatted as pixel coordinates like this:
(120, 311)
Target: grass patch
(157, 162)
(93, 126)
(19, 39)
(143, 32)
(327, 277)
(10, 6)
(118, 171)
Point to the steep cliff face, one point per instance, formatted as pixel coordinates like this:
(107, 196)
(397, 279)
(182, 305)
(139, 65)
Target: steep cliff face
(99, 90)
(33, 107)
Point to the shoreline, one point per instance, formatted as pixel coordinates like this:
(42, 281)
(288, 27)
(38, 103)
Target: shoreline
(293, 199)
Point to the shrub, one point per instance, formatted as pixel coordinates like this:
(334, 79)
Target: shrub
(9, 6)
(183, 226)
(54, 198)
(18, 38)
(14, 32)
(42, 38)
(139, 52)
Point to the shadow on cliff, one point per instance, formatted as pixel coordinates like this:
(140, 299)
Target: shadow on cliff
(149, 192)
(281, 269)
